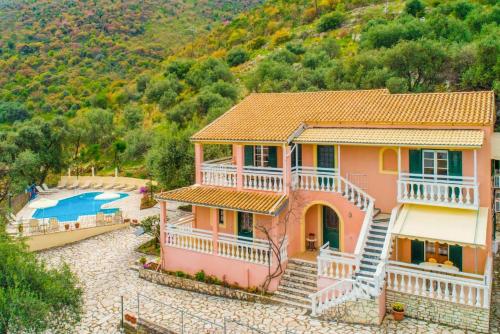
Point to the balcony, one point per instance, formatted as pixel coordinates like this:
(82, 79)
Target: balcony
(440, 190)
(253, 250)
(220, 172)
(263, 178)
(456, 287)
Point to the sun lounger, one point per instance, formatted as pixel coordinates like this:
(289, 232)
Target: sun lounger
(97, 185)
(62, 185)
(12, 217)
(117, 217)
(130, 188)
(73, 186)
(108, 186)
(85, 185)
(119, 186)
(41, 191)
(46, 188)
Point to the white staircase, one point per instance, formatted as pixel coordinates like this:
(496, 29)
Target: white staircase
(374, 244)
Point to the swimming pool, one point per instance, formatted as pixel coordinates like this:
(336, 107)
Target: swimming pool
(69, 209)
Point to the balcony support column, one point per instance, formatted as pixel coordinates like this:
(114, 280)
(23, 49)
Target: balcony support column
(287, 168)
(198, 161)
(214, 219)
(163, 220)
(240, 161)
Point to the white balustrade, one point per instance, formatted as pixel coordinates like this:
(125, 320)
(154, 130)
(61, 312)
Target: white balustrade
(316, 179)
(252, 250)
(460, 287)
(219, 173)
(443, 190)
(335, 265)
(246, 249)
(189, 238)
(331, 296)
(263, 178)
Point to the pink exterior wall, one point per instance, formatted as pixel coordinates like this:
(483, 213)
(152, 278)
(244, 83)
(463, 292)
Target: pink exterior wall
(233, 271)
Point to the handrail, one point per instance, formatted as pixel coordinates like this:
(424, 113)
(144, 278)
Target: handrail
(330, 295)
(469, 180)
(223, 160)
(363, 234)
(384, 256)
(262, 170)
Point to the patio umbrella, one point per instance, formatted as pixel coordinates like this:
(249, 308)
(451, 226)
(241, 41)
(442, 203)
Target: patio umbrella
(107, 195)
(43, 203)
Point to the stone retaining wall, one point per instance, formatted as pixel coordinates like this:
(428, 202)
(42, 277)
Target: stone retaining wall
(360, 311)
(202, 287)
(434, 310)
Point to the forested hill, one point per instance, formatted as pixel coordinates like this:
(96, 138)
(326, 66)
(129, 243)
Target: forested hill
(127, 101)
(60, 56)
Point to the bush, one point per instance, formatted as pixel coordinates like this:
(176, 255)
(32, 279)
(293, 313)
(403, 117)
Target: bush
(143, 260)
(180, 67)
(415, 8)
(13, 111)
(330, 21)
(236, 57)
(281, 36)
(200, 276)
(180, 274)
(397, 85)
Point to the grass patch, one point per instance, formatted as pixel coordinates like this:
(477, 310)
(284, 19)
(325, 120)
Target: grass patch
(150, 247)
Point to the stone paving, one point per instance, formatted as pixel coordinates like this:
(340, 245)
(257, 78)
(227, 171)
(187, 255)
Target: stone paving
(103, 265)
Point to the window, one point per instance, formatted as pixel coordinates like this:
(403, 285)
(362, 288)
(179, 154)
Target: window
(435, 162)
(261, 157)
(221, 217)
(246, 222)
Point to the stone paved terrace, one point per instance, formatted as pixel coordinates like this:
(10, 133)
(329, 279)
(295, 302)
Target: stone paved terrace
(102, 263)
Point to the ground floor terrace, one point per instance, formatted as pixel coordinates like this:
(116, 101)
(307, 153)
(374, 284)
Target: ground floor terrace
(102, 266)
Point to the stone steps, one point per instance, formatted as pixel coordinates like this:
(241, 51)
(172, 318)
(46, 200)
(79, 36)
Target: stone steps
(297, 283)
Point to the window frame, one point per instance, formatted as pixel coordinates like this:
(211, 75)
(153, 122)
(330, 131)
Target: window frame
(435, 163)
(261, 156)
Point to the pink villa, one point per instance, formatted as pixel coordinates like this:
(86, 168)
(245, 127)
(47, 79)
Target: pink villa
(365, 198)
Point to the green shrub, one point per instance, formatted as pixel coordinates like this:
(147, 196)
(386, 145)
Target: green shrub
(143, 260)
(331, 21)
(180, 274)
(236, 57)
(200, 276)
(415, 8)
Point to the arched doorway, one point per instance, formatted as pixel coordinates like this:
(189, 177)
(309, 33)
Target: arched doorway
(321, 222)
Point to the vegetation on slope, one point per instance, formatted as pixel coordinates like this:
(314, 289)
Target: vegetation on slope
(143, 125)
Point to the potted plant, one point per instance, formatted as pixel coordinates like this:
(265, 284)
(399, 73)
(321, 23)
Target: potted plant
(398, 311)
(131, 318)
(20, 228)
(66, 227)
(77, 225)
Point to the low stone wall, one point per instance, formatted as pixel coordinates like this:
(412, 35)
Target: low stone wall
(202, 287)
(444, 312)
(361, 311)
(56, 239)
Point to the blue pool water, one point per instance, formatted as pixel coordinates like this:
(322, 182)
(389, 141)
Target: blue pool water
(70, 208)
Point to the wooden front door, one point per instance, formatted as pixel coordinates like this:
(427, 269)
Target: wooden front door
(245, 224)
(331, 227)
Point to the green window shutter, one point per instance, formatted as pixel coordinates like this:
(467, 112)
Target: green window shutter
(273, 157)
(455, 256)
(417, 252)
(248, 155)
(416, 162)
(455, 163)
(300, 154)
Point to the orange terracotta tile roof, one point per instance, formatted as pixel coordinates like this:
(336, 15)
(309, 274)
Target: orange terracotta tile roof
(274, 117)
(262, 203)
(398, 137)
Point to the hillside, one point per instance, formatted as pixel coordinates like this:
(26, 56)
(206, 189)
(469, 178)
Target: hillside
(141, 119)
(60, 56)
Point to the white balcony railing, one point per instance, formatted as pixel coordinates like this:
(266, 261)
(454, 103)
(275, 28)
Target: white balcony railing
(335, 265)
(442, 190)
(193, 239)
(263, 178)
(252, 250)
(460, 287)
(316, 179)
(219, 173)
